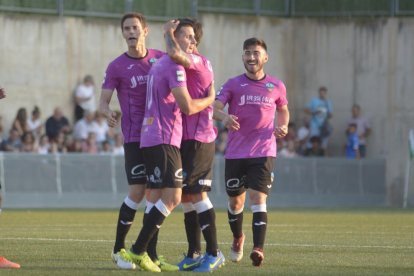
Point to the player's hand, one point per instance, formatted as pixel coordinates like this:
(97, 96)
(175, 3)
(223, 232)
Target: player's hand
(230, 122)
(171, 25)
(281, 131)
(2, 93)
(111, 118)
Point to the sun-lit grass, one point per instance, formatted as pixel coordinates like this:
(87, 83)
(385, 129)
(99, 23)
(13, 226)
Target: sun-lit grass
(299, 242)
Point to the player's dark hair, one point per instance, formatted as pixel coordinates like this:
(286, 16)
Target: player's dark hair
(253, 42)
(136, 15)
(196, 25)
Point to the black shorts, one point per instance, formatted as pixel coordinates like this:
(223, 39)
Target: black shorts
(134, 164)
(164, 168)
(198, 159)
(248, 173)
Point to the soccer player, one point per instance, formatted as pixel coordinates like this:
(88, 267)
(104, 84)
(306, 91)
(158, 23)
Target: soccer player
(253, 99)
(167, 99)
(197, 153)
(128, 75)
(4, 263)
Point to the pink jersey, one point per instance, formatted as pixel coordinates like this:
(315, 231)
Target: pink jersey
(254, 103)
(129, 76)
(163, 121)
(199, 126)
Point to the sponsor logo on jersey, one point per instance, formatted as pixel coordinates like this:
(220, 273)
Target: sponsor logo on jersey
(255, 99)
(138, 80)
(180, 75)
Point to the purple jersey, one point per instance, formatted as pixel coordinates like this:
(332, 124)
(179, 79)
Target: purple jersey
(254, 102)
(199, 126)
(129, 76)
(163, 120)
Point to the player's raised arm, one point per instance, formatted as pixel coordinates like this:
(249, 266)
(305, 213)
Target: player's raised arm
(173, 49)
(190, 106)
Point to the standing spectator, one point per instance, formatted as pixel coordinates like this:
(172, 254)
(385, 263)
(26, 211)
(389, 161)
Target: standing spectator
(128, 75)
(352, 143)
(4, 263)
(56, 124)
(254, 99)
(34, 123)
(363, 128)
(85, 97)
(20, 121)
(321, 110)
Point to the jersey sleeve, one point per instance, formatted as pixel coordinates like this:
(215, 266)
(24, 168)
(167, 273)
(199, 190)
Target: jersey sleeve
(110, 80)
(177, 77)
(224, 94)
(282, 100)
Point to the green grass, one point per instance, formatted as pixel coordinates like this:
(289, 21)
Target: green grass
(299, 242)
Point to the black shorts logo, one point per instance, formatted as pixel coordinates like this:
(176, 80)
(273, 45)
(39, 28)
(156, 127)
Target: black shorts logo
(233, 184)
(138, 171)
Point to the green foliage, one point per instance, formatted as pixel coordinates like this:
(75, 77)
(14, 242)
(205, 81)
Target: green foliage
(299, 242)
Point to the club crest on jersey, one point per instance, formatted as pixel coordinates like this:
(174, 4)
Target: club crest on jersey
(152, 61)
(180, 75)
(270, 86)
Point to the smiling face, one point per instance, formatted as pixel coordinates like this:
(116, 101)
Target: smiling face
(186, 39)
(133, 32)
(254, 57)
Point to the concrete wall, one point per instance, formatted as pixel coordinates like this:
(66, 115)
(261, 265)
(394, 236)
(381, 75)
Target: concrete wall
(369, 61)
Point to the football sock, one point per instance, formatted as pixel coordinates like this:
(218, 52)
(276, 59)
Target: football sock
(259, 225)
(236, 221)
(207, 218)
(192, 229)
(125, 219)
(152, 223)
(152, 245)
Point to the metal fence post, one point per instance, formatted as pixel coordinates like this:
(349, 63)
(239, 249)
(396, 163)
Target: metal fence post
(59, 7)
(393, 5)
(128, 6)
(194, 8)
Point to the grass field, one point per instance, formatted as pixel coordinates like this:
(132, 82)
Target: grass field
(299, 242)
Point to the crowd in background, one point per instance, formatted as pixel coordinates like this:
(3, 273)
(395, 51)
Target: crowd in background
(90, 132)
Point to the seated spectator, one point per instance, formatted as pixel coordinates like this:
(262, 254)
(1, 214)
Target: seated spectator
(106, 147)
(89, 145)
(118, 148)
(316, 149)
(102, 128)
(13, 143)
(28, 142)
(85, 97)
(44, 146)
(84, 126)
(363, 128)
(303, 136)
(59, 143)
(34, 123)
(74, 145)
(289, 150)
(20, 121)
(352, 143)
(56, 124)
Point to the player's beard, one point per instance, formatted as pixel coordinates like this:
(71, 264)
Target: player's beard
(253, 70)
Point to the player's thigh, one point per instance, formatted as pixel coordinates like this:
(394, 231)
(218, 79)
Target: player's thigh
(260, 174)
(197, 159)
(134, 164)
(164, 168)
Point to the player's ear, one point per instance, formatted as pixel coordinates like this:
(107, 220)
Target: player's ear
(266, 58)
(146, 30)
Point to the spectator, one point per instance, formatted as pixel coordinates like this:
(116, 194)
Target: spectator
(1, 133)
(56, 124)
(363, 128)
(44, 146)
(20, 122)
(316, 149)
(321, 110)
(303, 136)
(118, 148)
(34, 123)
(85, 97)
(352, 144)
(106, 147)
(13, 143)
(89, 145)
(28, 142)
(289, 150)
(59, 144)
(84, 126)
(221, 141)
(102, 128)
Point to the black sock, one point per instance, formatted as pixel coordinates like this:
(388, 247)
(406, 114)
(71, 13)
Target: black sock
(208, 227)
(125, 219)
(152, 245)
(236, 224)
(152, 223)
(192, 229)
(259, 226)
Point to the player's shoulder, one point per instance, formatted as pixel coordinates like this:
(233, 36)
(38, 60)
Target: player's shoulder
(155, 53)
